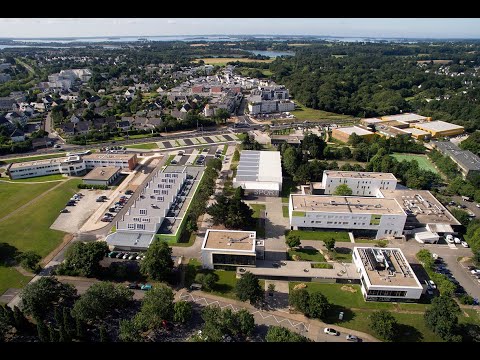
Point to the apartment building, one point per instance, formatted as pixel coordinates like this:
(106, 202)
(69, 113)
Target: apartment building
(124, 161)
(361, 183)
(72, 166)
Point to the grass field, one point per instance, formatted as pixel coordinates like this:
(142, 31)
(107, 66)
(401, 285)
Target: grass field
(12, 196)
(285, 211)
(32, 158)
(423, 161)
(11, 278)
(303, 113)
(257, 208)
(53, 177)
(306, 255)
(147, 146)
(226, 284)
(30, 228)
(224, 61)
(339, 236)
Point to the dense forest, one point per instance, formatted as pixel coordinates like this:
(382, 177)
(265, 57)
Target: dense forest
(369, 79)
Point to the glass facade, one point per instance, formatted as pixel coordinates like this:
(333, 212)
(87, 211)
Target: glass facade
(232, 259)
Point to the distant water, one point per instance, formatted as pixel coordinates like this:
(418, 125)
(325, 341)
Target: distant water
(272, 53)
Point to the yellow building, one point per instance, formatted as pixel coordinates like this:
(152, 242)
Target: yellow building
(344, 133)
(439, 129)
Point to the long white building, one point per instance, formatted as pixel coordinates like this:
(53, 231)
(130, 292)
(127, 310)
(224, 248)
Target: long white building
(386, 275)
(382, 217)
(361, 183)
(137, 228)
(259, 173)
(118, 160)
(71, 166)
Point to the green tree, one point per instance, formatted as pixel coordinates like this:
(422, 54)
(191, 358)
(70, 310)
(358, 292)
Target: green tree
(101, 299)
(300, 300)
(129, 331)
(425, 257)
(40, 297)
(54, 335)
(343, 190)
(329, 243)
(158, 263)
(248, 288)
(64, 336)
(219, 210)
(290, 160)
(281, 334)
(271, 287)
(236, 155)
(245, 321)
(182, 311)
(318, 306)
(293, 241)
(239, 193)
(68, 322)
(222, 115)
(9, 315)
(383, 324)
(80, 331)
(42, 331)
(462, 216)
(213, 327)
(29, 261)
(103, 334)
(157, 305)
(83, 259)
(476, 256)
(21, 322)
(442, 317)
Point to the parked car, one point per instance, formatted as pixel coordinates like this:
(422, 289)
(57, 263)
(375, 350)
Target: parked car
(464, 244)
(432, 284)
(129, 192)
(120, 255)
(109, 215)
(64, 211)
(477, 205)
(112, 254)
(449, 240)
(125, 257)
(475, 271)
(132, 256)
(139, 257)
(112, 209)
(457, 240)
(132, 286)
(146, 287)
(99, 199)
(331, 331)
(196, 286)
(71, 203)
(471, 267)
(353, 338)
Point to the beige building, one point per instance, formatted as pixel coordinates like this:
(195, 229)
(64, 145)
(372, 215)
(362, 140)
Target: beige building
(343, 133)
(102, 175)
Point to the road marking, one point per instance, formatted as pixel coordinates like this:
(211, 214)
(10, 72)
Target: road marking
(216, 302)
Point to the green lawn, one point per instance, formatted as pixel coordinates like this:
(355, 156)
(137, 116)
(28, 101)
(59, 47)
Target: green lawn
(256, 209)
(423, 161)
(226, 284)
(306, 255)
(11, 278)
(12, 196)
(225, 147)
(30, 228)
(148, 146)
(53, 177)
(339, 236)
(322, 266)
(285, 211)
(191, 240)
(32, 158)
(341, 255)
(301, 112)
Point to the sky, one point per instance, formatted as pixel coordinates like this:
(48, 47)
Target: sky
(363, 27)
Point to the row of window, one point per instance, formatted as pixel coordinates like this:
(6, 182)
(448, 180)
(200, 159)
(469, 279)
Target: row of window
(136, 226)
(389, 232)
(141, 219)
(386, 293)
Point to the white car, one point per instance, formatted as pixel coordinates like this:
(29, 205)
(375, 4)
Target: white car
(477, 205)
(475, 271)
(125, 257)
(449, 240)
(464, 244)
(457, 240)
(331, 331)
(432, 284)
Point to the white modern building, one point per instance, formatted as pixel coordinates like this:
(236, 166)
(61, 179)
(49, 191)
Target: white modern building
(386, 275)
(258, 106)
(71, 166)
(361, 183)
(259, 173)
(227, 248)
(137, 228)
(102, 175)
(123, 161)
(381, 217)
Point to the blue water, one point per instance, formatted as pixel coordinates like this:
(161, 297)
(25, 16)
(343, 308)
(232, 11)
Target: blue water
(272, 53)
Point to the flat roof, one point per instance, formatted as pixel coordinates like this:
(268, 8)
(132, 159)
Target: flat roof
(437, 125)
(465, 158)
(229, 240)
(386, 267)
(422, 206)
(371, 120)
(102, 173)
(38, 162)
(108, 156)
(353, 129)
(415, 131)
(408, 117)
(360, 175)
(346, 204)
(259, 166)
(130, 239)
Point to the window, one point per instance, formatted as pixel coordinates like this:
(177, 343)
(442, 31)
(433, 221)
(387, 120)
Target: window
(164, 192)
(146, 220)
(160, 198)
(156, 191)
(160, 186)
(140, 226)
(168, 175)
(385, 232)
(136, 219)
(168, 186)
(171, 181)
(130, 226)
(164, 180)
(143, 211)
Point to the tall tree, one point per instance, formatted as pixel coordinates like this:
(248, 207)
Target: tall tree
(40, 297)
(293, 241)
(329, 243)
(245, 322)
(43, 332)
(182, 311)
(83, 259)
(442, 317)
(103, 334)
(318, 306)
(158, 263)
(383, 324)
(343, 190)
(300, 300)
(248, 288)
(157, 306)
(281, 334)
(21, 322)
(129, 331)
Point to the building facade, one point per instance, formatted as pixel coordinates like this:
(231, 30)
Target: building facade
(71, 166)
(384, 218)
(343, 133)
(361, 183)
(438, 129)
(102, 175)
(386, 275)
(124, 161)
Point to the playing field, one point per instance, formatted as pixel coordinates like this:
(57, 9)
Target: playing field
(302, 112)
(423, 161)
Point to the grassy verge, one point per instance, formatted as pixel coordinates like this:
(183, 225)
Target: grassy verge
(189, 241)
(11, 278)
(226, 284)
(306, 255)
(301, 112)
(29, 229)
(260, 224)
(13, 196)
(148, 146)
(285, 211)
(169, 160)
(225, 147)
(339, 236)
(321, 266)
(53, 177)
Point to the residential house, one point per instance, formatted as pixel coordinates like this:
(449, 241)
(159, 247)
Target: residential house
(123, 124)
(140, 122)
(82, 127)
(180, 115)
(154, 122)
(92, 100)
(74, 119)
(17, 135)
(67, 128)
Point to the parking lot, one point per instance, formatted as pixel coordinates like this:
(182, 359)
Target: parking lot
(78, 214)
